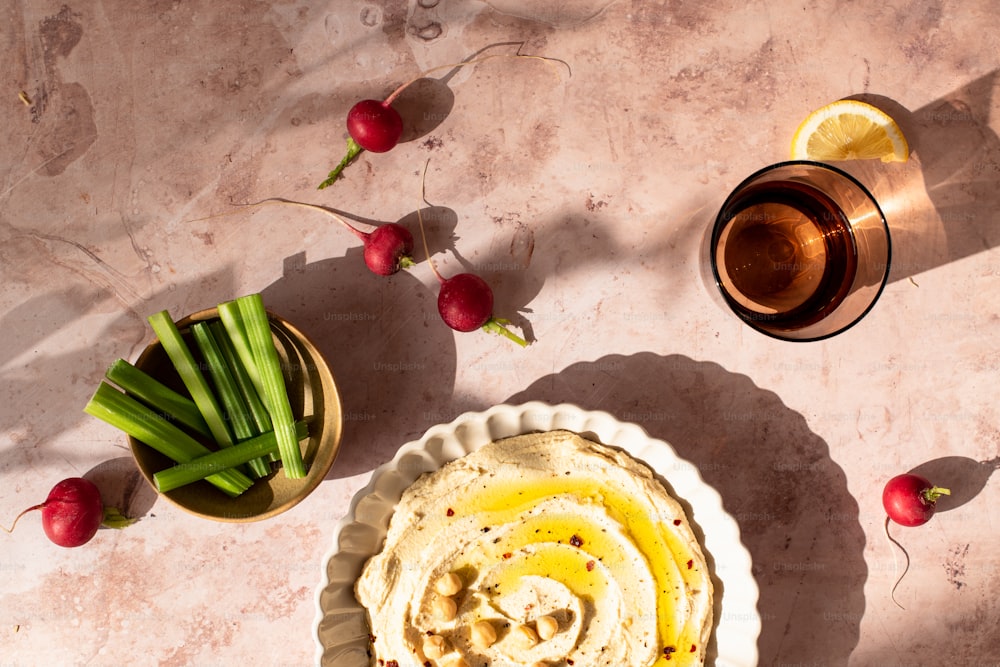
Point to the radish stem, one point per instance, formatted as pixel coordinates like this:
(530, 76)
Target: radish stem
(420, 221)
(113, 518)
(931, 495)
(353, 150)
(892, 593)
(495, 325)
(18, 517)
(475, 61)
(385, 111)
(315, 207)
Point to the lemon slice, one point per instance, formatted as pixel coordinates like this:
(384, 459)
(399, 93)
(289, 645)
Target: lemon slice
(849, 130)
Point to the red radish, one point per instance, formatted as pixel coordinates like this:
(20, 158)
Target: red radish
(71, 514)
(376, 126)
(910, 500)
(465, 301)
(388, 248)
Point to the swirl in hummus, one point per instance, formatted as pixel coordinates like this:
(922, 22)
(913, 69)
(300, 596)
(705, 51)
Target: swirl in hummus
(545, 550)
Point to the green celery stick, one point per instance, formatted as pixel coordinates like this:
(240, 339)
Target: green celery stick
(232, 320)
(224, 459)
(275, 394)
(227, 391)
(129, 415)
(179, 353)
(157, 395)
(225, 386)
(258, 411)
(248, 391)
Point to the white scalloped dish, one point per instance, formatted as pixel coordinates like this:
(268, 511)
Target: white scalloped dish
(341, 628)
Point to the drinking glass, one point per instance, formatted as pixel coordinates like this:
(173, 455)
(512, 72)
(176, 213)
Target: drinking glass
(800, 251)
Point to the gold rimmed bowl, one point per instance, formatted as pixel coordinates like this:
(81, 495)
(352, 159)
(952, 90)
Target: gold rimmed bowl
(314, 399)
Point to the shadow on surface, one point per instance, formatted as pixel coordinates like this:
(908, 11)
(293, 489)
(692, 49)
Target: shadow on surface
(796, 515)
(391, 356)
(963, 476)
(122, 487)
(35, 440)
(950, 208)
(423, 106)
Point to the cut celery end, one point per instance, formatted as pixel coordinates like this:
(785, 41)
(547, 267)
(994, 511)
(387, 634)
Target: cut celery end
(129, 415)
(274, 392)
(226, 389)
(147, 389)
(232, 319)
(240, 453)
(258, 413)
(186, 366)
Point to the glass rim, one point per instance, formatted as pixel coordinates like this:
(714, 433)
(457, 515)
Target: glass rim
(716, 229)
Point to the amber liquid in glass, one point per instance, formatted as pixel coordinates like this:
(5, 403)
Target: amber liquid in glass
(786, 253)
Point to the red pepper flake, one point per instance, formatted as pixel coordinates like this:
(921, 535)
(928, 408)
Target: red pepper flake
(508, 555)
(677, 522)
(392, 663)
(576, 540)
(690, 564)
(427, 663)
(450, 512)
(668, 651)
(590, 565)
(694, 648)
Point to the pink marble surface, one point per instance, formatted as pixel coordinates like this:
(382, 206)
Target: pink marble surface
(583, 200)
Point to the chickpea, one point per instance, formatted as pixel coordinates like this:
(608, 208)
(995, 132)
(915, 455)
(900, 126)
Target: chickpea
(547, 627)
(525, 636)
(444, 608)
(483, 634)
(448, 585)
(435, 646)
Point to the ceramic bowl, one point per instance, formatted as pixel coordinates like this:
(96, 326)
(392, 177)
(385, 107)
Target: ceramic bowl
(314, 398)
(341, 629)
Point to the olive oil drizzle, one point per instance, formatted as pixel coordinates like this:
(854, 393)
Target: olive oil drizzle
(675, 568)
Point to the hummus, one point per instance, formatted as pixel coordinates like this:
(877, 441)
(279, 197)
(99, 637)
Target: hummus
(542, 549)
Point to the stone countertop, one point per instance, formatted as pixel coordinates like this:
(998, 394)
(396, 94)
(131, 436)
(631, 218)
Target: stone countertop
(582, 195)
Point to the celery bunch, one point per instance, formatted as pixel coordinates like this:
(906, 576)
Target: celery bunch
(235, 418)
